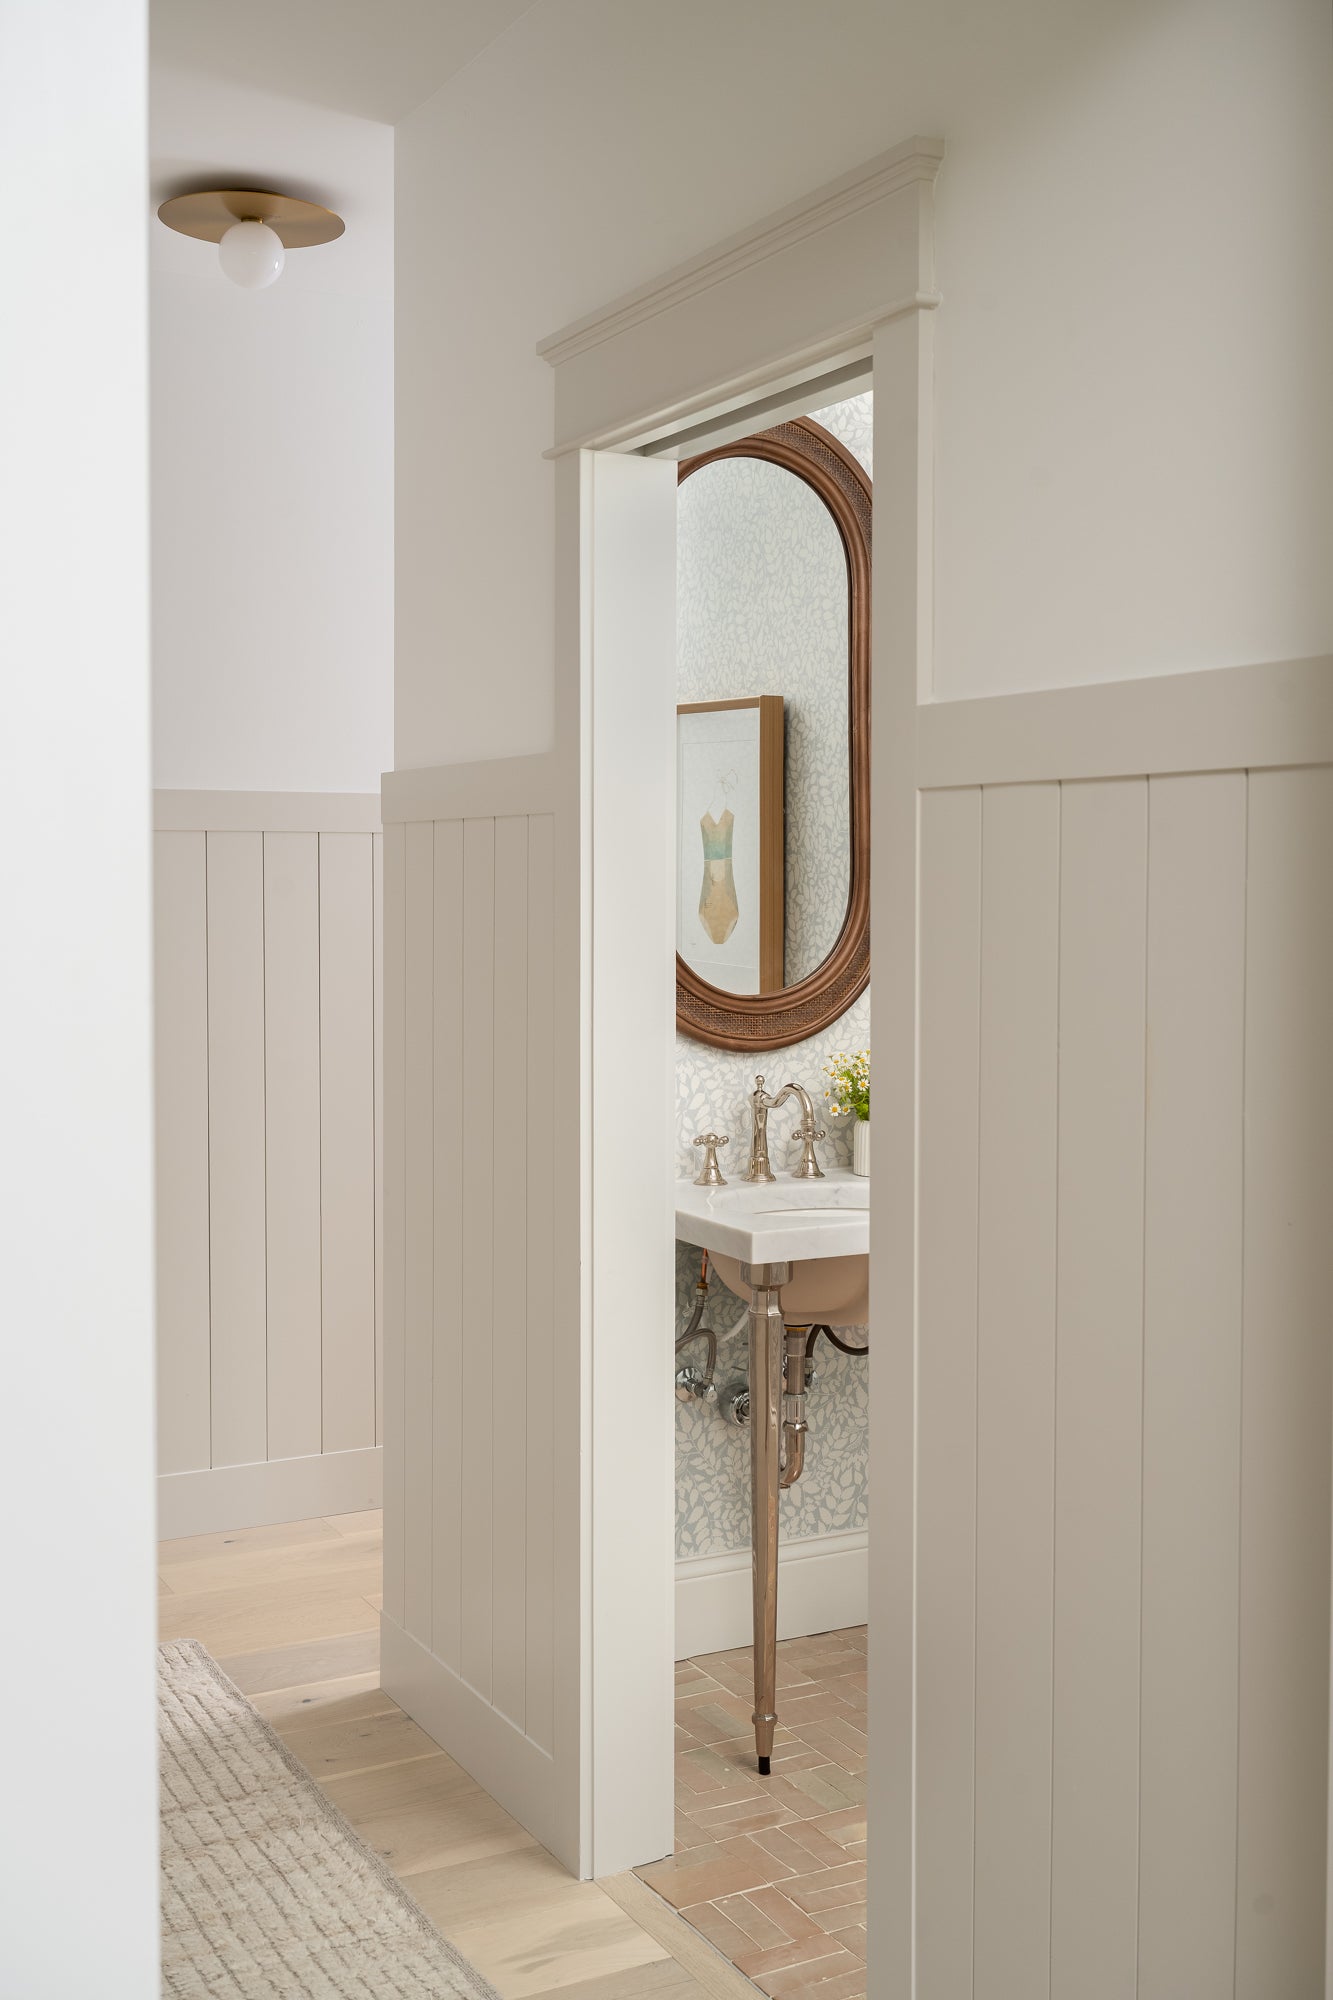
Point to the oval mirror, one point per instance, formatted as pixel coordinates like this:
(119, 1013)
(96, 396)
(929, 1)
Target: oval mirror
(772, 738)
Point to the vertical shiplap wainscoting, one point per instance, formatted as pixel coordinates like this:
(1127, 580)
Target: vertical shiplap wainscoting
(1124, 1388)
(529, 1006)
(267, 1031)
(475, 1452)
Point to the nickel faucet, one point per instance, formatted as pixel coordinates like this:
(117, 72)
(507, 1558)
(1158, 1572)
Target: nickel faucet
(807, 1132)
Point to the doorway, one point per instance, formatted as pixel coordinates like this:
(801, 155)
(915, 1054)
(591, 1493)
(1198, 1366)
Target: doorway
(771, 740)
(766, 326)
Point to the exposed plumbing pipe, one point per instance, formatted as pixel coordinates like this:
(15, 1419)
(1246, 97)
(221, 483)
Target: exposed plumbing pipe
(794, 1426)
(798, 1367)
(843, 1346)
(690, 1382)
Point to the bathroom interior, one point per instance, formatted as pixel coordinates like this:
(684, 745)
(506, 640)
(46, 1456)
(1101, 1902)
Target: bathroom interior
(772, 1068)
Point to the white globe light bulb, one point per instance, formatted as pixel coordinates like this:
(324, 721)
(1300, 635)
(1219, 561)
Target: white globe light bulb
(252, 255)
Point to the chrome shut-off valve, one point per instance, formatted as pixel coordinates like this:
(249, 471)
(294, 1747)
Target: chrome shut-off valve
(695, 1385)
(734, 1403)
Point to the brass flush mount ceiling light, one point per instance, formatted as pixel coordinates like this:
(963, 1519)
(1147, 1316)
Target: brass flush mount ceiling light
(253, 230)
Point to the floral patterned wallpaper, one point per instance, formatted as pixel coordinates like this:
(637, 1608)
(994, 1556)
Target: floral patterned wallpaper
(713, 1085)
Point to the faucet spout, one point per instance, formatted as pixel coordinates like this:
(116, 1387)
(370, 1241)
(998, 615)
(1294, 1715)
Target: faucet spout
(807, 1132)
(760, 1167)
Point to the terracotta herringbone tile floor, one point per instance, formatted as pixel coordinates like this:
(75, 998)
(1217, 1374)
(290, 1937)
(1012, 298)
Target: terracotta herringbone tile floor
(772, 1870)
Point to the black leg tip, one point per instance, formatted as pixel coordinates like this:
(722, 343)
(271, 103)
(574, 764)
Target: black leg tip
(765, 1767)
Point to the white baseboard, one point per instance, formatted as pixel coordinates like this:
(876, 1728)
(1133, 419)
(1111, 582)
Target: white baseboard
(280, 1489)
(822, 1586)
(518, 1773)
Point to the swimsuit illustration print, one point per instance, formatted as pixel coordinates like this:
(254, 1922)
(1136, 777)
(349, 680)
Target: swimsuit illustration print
(718, 909)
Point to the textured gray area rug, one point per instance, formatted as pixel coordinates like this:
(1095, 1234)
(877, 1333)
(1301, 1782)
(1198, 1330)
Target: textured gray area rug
(267, 1893)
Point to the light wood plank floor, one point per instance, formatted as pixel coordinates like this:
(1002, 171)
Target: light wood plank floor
(292, 1614)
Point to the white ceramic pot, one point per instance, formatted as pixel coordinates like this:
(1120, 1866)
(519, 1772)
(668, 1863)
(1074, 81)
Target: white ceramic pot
(861, 1147)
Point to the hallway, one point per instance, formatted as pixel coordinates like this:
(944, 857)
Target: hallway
(291, 1613)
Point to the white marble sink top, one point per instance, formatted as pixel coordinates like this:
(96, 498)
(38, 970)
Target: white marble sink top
(778, 1222)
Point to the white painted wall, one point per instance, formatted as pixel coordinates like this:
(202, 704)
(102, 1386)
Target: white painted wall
(76, 1300)
(272, 457)
(1134, 412)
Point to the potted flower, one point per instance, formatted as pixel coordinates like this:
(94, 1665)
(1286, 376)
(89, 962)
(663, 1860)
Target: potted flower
(848, 1096)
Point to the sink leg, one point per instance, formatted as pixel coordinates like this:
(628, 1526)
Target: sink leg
(766, 1331)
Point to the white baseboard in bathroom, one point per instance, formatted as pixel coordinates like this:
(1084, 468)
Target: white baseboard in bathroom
(821, 1588)
(279, 1489)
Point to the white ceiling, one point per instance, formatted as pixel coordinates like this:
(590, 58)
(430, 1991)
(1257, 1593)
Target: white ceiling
(374, 58)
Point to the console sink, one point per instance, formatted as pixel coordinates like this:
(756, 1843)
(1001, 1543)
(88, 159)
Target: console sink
(798, 1253)
(778, 1222)
(820, 1228)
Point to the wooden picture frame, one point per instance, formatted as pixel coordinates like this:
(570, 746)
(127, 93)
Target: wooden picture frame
(776, 1019)
(768, 887)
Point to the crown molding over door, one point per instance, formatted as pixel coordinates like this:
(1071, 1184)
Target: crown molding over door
(790, 297)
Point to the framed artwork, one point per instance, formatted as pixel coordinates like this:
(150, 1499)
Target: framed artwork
(730, 886)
